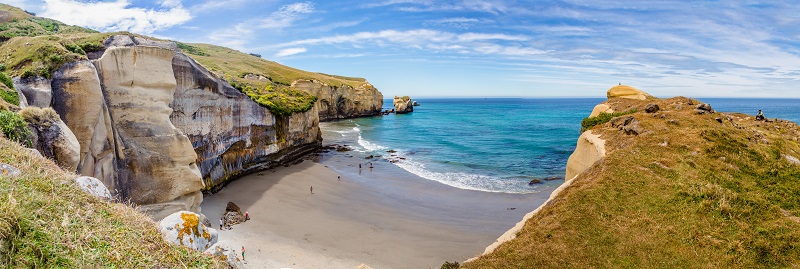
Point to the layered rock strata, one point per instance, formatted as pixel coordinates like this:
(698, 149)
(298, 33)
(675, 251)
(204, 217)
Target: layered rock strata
(403, 104)
(343, 102)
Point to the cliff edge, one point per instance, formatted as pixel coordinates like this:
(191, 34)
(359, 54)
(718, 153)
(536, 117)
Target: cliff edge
(680, 185)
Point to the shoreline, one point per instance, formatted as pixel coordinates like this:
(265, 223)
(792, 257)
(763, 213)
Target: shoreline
(386, 218)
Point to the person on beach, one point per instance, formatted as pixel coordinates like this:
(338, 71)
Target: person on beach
(359, 166)
(246, 216)
(243, 253)
(339, 178)
(312, 189)
(220, 224)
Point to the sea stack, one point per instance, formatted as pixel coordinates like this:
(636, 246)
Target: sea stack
(403, 104)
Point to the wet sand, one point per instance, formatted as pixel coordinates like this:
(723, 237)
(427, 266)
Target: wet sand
(384, 217)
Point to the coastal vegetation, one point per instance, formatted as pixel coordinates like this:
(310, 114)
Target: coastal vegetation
(47, 222)
(602, 118)
(694, 190)
(15, 128)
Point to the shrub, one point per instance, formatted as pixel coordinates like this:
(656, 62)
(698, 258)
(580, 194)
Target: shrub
(40, 117)
(92, 46)
(75, 49)
(450, 265)
(15, 128)
(191, 49)
(12, 97)
(604, 117)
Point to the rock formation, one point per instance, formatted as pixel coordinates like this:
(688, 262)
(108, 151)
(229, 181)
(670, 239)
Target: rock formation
(35, 90)
(52, 137)
(625, 91)
(403, 104)
(589, 150)
(343, 102)
(601, 108)
(232, 134)
(93, 186)
(185, 228)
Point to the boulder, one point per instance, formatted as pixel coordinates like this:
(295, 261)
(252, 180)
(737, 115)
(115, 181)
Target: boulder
(185, 228)
(415, 103)
(36, 90)
(589, 150)
(601, 108)
(93, 186)
(233, 215)
(7, 170)
(627, 124)
(651, 108)
(52, 137)
(403, 104)
(226, 253)
(625, 91)
(704, 109)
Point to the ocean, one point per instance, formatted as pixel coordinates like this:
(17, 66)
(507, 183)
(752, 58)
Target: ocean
(493, 144)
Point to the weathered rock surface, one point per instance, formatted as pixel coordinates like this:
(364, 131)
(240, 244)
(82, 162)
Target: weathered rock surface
(233, 215)
(343, 102)
(403, 104)
(227, 253)
(704, 109)
(203, 108)
(627, 124)
(93, 186)
(625, 91)
(7, 170)
(185, 228)
(589, 150)
(79, 99)
(601, 108)
(155, 160)
(56, 141)
(651, 108)
(36, 91)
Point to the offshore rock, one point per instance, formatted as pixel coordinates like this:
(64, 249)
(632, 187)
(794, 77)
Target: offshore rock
(403, 104)
(344, 101)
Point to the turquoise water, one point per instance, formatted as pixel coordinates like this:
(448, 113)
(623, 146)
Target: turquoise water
(494, 145)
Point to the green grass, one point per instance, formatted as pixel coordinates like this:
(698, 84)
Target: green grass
(601, 118)
(714, 195)
(283, 101)
(47, 222)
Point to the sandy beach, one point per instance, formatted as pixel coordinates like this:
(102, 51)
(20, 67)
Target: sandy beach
(383, 218)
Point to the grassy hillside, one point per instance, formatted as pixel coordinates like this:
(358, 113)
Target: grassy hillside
(266, 82)
(46, 222)
(690, 192)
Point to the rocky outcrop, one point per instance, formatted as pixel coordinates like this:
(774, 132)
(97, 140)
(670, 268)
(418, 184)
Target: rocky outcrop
(601, 108)
(343, 102)
(79, 99)
(230, 133)
(185, 228)
(155, 160)
(589, 150)
(403, 104)
(625, 91)
(36, 91)
(226, 253)
(52, 137)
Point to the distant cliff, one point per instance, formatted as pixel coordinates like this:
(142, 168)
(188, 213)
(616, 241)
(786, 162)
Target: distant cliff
(666, 183)
(344, 101)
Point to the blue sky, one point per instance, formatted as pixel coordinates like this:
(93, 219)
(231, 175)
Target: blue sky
(427, 48)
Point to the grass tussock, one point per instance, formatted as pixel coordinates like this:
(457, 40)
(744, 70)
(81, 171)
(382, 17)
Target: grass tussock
(689, 192)
(40, 117)
(602, 118)
(47, 222)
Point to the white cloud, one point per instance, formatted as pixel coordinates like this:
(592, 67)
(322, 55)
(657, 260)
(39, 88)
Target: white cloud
(117, 15)
(289, 52)
(17, 3)
(239, 35)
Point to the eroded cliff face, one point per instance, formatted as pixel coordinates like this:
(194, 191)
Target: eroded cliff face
(230, 133)
(158, 129)
(343, 102)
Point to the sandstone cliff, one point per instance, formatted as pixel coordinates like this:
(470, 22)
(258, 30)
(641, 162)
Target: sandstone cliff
(157, 128)
(344, 101)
